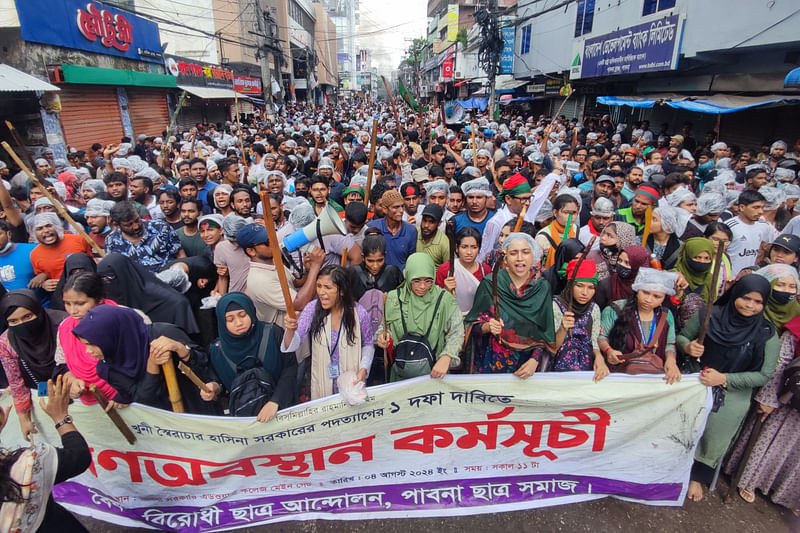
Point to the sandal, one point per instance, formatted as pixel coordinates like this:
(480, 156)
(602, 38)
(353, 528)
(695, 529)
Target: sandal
(747, 496)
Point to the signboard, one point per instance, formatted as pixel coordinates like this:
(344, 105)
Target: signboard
(452, 22)
(507, 56)
(456, 446)
(649, 47)
(447, 68)
(552, 86)
(535, 88)
(246, 84)
(89, 26)
(194, 73)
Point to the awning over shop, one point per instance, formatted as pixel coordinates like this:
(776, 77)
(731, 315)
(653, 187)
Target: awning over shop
(507, 84)
(112, 76)
(474, 103)
(792, 79)
(714, 104)
(208, 93)
(13, 80)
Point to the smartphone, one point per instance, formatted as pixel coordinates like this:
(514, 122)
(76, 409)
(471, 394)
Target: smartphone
(42, 388)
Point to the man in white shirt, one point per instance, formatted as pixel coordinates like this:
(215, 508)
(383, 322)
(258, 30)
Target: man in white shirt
(749, 231)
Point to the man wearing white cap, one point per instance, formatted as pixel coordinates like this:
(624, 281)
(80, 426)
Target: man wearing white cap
(602, 213)
(97, 213)
(49, 255)
(476, 196)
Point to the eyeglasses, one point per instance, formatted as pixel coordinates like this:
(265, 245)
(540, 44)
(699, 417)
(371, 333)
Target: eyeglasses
(424, 282)
(520, 198)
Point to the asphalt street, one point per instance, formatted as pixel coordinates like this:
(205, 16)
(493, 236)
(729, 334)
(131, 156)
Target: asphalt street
(600, 516)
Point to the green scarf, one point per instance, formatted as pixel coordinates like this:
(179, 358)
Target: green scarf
(689, 250)
(779, 315)
(418, 310)
(527, 319)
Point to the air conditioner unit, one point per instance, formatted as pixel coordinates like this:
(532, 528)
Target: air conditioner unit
(458, 75)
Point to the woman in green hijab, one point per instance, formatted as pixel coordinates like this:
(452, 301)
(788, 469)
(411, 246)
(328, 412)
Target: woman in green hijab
(695, 264)
(524, 327)
(416, 307)
(782, 303)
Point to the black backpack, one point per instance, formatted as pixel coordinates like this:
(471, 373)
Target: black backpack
(252, 387)
(790, 388)
(413, 355)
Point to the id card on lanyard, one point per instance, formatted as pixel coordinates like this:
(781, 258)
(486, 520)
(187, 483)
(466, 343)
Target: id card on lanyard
(333, 368)
(652, 328)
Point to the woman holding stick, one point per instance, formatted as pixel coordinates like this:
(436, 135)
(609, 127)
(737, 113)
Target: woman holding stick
(130, 354)
(739, 353)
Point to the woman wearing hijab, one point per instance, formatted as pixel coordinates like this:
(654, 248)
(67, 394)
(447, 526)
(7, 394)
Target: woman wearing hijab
(695, 259)
(631, 323)
(565, 252)
(618, 285)
(412, 308)
(27, 349)
(773, 465)
(373, 272)
(130, 353)
(202, 276)
(340, 331)
(131, 285)
(27, 475)
(666, 224)
(246, 343)
(74, 263)
(614, 238)
(782, 303)
(525, 319)
(578, 319)
(739, 354)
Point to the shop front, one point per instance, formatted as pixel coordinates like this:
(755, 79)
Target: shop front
(209, 89)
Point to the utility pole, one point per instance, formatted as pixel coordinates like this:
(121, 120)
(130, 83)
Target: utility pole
(491, 47)
(262, 54)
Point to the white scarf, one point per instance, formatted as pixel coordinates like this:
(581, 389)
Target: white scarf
(35, 470)
(466, 286)
(349, 356)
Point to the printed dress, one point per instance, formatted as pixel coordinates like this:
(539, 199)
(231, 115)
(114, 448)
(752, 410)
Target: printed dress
(577, 352)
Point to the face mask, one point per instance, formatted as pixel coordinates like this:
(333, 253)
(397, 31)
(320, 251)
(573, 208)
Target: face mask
(301, 194)
(697, 266)
(7, 247)
(781, 297)
(609, 250)
(28, 330)
(624, 272)
(253, 158)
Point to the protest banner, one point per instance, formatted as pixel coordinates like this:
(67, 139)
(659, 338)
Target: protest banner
(462, 445)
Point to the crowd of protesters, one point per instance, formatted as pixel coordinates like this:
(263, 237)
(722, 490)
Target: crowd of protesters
(517, 245)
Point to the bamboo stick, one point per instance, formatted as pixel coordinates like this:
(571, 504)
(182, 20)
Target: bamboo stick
(172, 386)
(269, 224)
(113, 414)
(189, 373)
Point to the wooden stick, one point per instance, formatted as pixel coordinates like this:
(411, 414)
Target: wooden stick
(189, 373)
(344, 258)
(269, 224)
(371, 165)
(555, 117)
(520, 218)
(648, 219)
(173, 119)
(474, 145)
(172, 386)
(394, 109)
(56, 202)
(20, 145)
(712, 293)
(113, 414)
(239, 127)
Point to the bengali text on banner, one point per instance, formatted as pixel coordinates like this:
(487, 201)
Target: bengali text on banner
(462, 445)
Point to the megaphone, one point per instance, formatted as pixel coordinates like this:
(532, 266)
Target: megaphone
(327, 223)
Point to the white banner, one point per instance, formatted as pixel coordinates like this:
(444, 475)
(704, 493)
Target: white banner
(462, 445)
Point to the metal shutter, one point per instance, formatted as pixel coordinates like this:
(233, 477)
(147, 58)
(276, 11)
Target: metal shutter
(148, 111)
(90, 114)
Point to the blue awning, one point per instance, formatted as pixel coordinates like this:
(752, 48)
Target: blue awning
(792, 79)
(715, 104)
(474, 103)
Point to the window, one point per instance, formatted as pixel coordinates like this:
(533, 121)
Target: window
(585, 17)
(652, 6)
(525, 44)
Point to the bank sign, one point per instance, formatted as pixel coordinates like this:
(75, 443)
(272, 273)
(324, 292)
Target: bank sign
(648, 47)
(89, 26)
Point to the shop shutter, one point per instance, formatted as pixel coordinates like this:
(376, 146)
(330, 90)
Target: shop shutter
(148, 111)
(90, 114)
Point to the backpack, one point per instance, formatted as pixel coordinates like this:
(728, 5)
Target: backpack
(790, 387)
(252, 387)
(413, 355)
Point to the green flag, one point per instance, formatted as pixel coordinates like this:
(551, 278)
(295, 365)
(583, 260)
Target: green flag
(407, 96)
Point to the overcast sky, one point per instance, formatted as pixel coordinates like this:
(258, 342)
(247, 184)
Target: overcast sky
(405, 19)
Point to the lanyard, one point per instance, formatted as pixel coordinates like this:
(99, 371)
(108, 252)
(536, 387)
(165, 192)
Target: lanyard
(336, 344)
(652, 327)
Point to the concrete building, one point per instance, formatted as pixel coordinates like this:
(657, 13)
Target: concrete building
(345, 16)
(662, 50)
